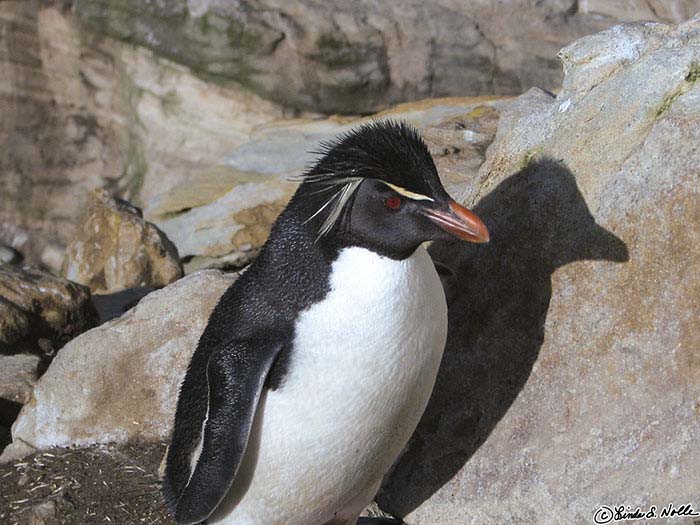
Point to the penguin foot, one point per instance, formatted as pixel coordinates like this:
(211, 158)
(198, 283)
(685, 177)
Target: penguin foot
(379, 521)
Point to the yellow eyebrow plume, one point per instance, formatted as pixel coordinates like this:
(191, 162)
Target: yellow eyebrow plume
(408, 194)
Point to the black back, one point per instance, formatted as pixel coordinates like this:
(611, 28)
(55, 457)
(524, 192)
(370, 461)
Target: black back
(290, 274)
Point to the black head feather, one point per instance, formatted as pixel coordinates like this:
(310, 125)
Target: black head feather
(385, 150)
(376, 187)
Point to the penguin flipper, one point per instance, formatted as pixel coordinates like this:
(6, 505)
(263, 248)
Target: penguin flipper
(236, 374)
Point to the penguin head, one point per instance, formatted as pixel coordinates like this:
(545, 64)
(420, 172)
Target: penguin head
(377, 187)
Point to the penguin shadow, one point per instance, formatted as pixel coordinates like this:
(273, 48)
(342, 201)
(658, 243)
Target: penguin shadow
(498, 298)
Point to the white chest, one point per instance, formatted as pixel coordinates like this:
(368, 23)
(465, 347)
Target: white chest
(382, 322)
(362, 368)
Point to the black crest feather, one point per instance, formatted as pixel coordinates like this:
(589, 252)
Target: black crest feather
(384, 150)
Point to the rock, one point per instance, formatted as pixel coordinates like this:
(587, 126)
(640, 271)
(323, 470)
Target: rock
(373, 511)
(40, 312)
(79, 111)
(18, 375)
(641, 10)
(223, 219)
(12, 237)
(354, 58)
(119, 381)
(52, 256)
(115, 249)
(229, 230)
(9, 255)
(43, 513)
(52, 509)
(14, 324)
(571, 378)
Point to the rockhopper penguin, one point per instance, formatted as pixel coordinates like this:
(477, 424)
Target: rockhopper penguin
(316, 365)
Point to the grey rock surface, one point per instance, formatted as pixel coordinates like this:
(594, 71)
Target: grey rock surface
(18, 375)
(222, 220)
(359, 57)
(39, 312)
(571, 378)
(119, 381)
(115, 249)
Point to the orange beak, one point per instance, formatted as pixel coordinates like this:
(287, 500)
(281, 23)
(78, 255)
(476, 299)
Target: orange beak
(461, 223)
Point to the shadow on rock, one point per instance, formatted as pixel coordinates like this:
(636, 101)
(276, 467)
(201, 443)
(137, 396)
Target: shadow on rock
(9, 410)
(498, 301)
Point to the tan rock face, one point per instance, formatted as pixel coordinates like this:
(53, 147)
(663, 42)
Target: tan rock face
(40, 312)
(80, 111)
(229, 230)
(120, 381)
(571, 378)
(115, 249)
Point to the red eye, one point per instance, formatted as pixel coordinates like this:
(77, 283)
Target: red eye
(393, 203)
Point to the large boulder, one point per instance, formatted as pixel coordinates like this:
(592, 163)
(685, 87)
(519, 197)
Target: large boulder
(119, 381)
(351, 57)
(114, 249)
(571, 378)
(39, 312)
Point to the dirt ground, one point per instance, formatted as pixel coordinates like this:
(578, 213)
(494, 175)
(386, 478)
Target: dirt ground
(115, 484)
(105, 484)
